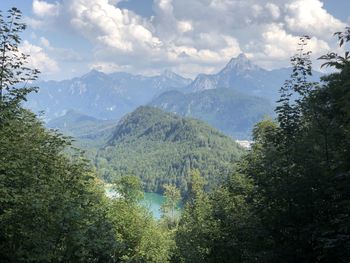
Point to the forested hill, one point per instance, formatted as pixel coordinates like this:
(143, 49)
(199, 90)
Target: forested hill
(162, 147)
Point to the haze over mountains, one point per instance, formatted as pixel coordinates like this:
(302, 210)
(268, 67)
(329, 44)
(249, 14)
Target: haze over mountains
(243, 75)
(232, 112)
(100, 95)
(231, 100)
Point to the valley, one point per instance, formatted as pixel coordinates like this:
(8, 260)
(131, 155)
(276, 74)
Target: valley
(125, 138)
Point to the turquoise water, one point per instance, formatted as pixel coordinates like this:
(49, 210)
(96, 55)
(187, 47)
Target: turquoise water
(151, 201)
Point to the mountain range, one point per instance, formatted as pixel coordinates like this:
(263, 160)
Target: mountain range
(89, 133)
(100, 95)
(230, 111)
(241, 74)
(231, 100)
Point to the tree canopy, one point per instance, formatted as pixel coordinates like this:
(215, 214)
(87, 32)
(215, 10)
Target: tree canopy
(53, 207)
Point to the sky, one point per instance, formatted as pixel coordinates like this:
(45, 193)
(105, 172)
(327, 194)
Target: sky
(67, 38)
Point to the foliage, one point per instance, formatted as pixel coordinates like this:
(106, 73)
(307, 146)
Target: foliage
(288, 201)
(49, 203)
(130, 188)
(13, 68)
(300, 168)
(170, 208)
(196, 227)
(138, 236)
(52, 207)
(217, 227)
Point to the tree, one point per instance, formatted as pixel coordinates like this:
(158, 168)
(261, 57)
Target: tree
(236, 239)
(170, 208)
(13, 63)
(299, 166)
(139, 236)
(52, 206)
(194, 236)
(130, 188)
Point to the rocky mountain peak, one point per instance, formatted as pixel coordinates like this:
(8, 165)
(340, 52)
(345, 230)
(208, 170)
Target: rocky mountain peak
(169, 74)
(94, 74)
(240, 64)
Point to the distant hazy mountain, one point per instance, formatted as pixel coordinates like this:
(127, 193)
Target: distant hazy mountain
(104, 96)
(77, 124)
(233, 100)
(162, 147)
(88, 132)
(243, 75)
(228, 110)
(240, 95)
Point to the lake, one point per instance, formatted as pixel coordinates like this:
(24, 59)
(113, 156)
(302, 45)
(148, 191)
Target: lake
(152, 201)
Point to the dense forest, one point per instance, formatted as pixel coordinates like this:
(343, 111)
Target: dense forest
(158, 147)
(161, 148)
(286, 200)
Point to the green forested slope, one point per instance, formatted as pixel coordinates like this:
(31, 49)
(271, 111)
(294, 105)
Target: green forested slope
(161, 148)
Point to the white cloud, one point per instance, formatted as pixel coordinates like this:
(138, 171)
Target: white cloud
(45, 14)
(59, 54)
(38, 58)
(45, 9)
(189, 35)
(184, 26)
(276, 45)
(273, 10)
(309, 17)
(108, 67)
(45, 42)
(105, 24)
